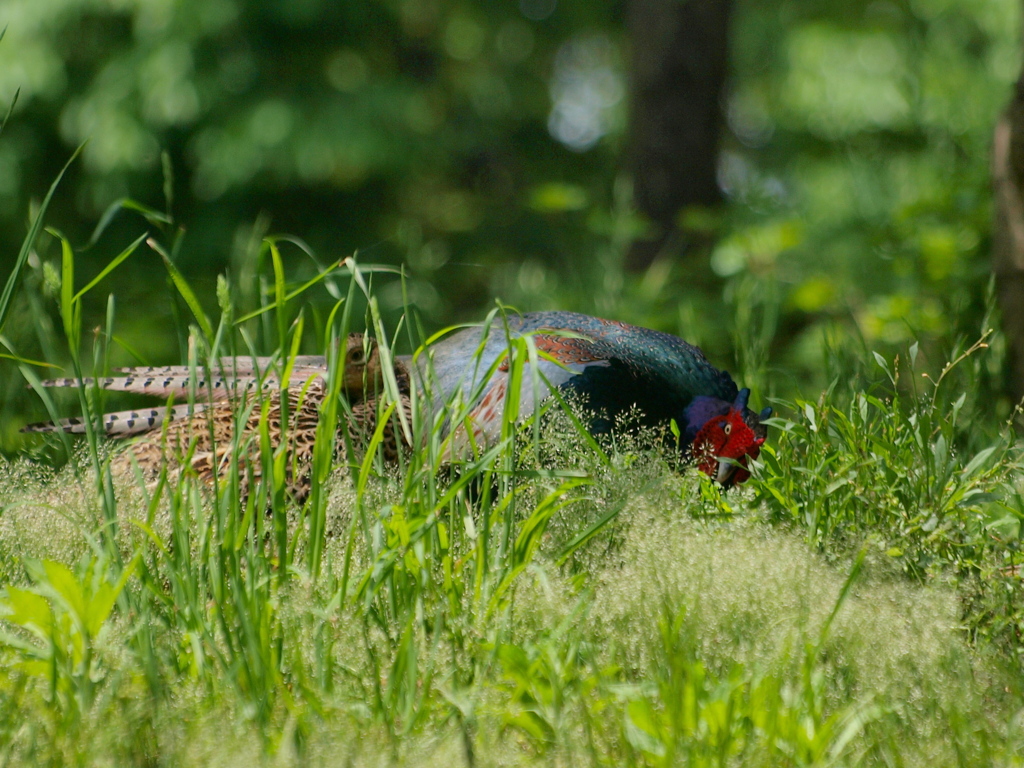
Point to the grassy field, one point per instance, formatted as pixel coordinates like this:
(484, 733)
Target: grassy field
(553, 600)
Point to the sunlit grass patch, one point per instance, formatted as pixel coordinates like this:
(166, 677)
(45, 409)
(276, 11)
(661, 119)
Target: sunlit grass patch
(652, 620)
(45, 513)
(541, 596)
(749, 604)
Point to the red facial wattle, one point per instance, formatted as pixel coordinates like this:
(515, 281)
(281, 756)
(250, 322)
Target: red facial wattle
(722, 439)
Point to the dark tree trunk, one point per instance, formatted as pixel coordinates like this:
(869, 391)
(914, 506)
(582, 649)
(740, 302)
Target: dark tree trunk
(678, 65)
(1008, 234)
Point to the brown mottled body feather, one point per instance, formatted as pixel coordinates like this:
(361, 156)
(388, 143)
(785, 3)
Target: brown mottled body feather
(201, 439)
(205, 444)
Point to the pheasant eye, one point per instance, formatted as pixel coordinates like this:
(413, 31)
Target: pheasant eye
(727, 428)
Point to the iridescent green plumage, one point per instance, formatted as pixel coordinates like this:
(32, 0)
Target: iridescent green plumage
(612, 368)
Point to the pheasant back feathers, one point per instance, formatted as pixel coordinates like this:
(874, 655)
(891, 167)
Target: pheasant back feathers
(230, 416)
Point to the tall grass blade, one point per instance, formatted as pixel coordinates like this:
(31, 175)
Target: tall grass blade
(29, 242)
(10, 109)
(151, 215)
(68, 306)
(185, 290)
(316, 279)
(111, 266)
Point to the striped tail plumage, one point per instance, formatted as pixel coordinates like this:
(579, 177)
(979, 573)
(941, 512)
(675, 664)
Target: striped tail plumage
(121, 423)
(228, 380)
(227, 413)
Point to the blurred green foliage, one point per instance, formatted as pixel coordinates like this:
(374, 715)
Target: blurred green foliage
(862, 159)
(479, 146)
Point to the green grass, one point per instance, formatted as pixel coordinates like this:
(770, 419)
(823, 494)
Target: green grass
(549, 601)
(674, 636)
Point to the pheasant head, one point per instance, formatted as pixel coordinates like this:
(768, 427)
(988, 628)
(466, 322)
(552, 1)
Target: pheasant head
(362, 367)
(725, 442)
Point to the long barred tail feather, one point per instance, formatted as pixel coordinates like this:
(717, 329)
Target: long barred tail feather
(203, 434)
(177, 380)
(168, 384)
(121, 423)
(236, 366)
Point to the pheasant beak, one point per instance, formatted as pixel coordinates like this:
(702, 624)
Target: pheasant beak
(726, 469)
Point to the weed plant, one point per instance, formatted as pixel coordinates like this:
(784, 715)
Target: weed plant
(547, 599)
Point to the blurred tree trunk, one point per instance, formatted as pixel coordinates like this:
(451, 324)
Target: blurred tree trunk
(677, 73)
(1008, 234)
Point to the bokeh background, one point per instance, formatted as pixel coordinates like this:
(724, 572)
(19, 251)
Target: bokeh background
(485, 148)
